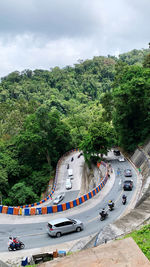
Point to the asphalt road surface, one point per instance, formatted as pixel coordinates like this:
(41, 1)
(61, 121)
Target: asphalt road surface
(76, 166)
(35, 235)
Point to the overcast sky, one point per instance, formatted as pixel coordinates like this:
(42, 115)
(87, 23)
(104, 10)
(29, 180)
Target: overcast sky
(41, 34)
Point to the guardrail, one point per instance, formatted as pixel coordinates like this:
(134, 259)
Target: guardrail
(32, 210)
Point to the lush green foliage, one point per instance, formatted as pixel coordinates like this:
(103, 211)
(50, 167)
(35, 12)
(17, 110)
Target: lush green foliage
(142, 238)
(98, 140)
(131, 100)
(93, 105)
(134, 57)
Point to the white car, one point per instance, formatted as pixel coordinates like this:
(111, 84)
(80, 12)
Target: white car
(68, 184)
(62, 226)
(58, 199)
(70, 173)
(121, 159)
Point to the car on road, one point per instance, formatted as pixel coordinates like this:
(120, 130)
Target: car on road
(62, 226)
(116, 152)
(58, 199)
(128, 185)
(70, 173)
(68, 184)
(81, 154)
(127, 173)
(121, 159)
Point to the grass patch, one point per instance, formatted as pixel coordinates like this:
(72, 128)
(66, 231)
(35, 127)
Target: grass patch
(72, 252)
(142, 239)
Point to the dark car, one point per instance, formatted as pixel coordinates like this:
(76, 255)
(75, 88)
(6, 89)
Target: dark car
(127, 173)
(116, 152)
(128, 185)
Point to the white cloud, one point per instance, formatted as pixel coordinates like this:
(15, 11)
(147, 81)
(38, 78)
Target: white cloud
(26, 52)
(45, 33)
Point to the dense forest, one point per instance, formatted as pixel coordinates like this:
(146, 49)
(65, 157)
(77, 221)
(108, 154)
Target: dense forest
(93, 105)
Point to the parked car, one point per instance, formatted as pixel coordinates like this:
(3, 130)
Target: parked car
(127, 173)
(116, 152)
(62, 226)
(70, 173)
(58, 199)
(68, 184)
(67, 166)
(121, 159)
(128, 185)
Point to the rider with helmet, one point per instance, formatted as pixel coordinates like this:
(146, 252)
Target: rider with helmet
(111, 204)
(11, 243)
(103, 214)
(124, 199)
(16, 242)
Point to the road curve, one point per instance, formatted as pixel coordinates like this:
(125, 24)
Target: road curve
(32, 230)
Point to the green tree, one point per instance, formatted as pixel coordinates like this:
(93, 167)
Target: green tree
(146, 62)
(3, 180)
(98, 140)
(107, 103)
(131, 98)
(21, 194)
(134, 57)
(44, 138)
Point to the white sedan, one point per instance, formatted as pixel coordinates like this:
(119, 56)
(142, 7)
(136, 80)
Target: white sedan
(68, 184)
(58, 199)
(121, 159)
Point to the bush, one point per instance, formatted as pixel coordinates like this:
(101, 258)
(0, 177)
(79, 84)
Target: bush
(142, 238)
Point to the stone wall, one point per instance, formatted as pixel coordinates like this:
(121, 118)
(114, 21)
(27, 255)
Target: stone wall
(91, 177)
(141, 159)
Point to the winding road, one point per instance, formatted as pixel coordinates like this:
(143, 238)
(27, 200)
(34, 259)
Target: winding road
(33, 231)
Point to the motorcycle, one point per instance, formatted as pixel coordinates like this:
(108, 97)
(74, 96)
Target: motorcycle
(103, 216)
(17, 246)
(124, 200)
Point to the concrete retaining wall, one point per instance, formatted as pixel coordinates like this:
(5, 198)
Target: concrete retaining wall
(91, 178)
(141, 159)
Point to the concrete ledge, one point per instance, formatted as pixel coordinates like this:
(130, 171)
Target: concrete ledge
(120, 253)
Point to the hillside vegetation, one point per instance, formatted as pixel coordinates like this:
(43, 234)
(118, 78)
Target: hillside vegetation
(142, 238)
(93, 105)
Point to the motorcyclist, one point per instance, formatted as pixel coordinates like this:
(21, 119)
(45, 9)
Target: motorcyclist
(103, 213)
(111, 204)
(16, 242)
(124, 199)
(11, 243)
